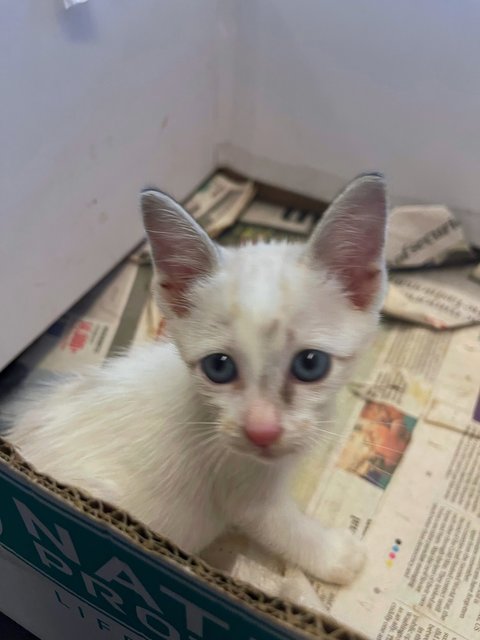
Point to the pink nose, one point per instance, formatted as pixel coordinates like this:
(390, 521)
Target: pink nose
(262, 424)
(263, 435)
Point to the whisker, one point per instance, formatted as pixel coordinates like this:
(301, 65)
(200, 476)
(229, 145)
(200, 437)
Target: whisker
(387, 422)
(344, 438)
(201, 422)
(222, 455)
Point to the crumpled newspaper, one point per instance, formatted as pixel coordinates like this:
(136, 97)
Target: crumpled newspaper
(424, 235)
(419, 238)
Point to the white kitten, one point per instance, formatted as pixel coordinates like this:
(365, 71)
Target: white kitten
(202, 434)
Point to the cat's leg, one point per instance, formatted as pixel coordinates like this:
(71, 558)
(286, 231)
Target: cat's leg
(332, 555)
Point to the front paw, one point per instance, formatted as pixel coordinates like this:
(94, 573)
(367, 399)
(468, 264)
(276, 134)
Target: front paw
(338, 558)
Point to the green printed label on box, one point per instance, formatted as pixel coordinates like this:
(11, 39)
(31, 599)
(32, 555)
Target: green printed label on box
(93, 568)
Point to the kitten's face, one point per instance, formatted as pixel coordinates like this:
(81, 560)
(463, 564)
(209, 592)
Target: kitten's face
(270, 331)
(278, 322)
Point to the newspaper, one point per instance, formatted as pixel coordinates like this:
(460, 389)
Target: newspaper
(406, 479)
(218, 204)
(84, 335)
(420, 235)
(444, 298)
(264, 214)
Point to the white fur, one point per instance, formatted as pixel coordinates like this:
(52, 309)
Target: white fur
(149, 432)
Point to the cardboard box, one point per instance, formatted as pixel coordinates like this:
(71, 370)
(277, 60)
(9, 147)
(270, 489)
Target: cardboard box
(73, 567)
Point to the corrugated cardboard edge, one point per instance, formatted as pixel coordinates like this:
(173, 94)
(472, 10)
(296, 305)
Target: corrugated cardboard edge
(298, 619)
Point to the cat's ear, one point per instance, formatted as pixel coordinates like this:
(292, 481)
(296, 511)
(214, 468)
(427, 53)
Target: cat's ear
(181, 250)
(349, 240)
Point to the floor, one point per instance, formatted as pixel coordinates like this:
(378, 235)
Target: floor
(9, 630)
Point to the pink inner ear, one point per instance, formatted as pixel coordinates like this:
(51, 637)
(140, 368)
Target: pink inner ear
(361, 284)
(175, 290)
(182, 252)
(349, 241)
(354, 265)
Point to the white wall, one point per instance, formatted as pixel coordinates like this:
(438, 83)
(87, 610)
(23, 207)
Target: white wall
(325, 89)
(96, 102)
(111, 95)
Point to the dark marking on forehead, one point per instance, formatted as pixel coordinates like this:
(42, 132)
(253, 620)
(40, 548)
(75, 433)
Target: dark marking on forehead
(271, 327)
(287, 391)
(290, 336)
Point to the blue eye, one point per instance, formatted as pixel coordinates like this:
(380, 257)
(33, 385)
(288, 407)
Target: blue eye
(310, 365)
(219, 368)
